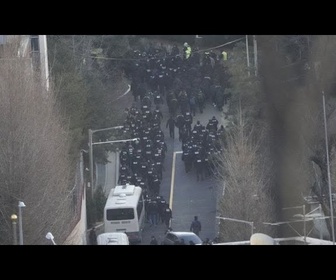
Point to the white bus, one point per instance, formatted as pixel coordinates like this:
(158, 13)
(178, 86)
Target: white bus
(125, 212)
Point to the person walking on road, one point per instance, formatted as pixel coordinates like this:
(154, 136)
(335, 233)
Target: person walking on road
(171, 124)
(153, 241)
(196, 226)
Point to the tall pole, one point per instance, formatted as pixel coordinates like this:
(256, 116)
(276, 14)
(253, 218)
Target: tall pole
(247, 57)
(321, 213)
(304, 223)
(328, 168)
(91, 162)
(14, 218)
(91, 150)
(255, 55)
(20, 226)
(117, 167)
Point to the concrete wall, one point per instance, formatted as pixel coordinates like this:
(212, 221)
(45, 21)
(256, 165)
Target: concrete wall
(78, 234)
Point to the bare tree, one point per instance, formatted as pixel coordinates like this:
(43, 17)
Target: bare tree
(34, 154)
(245, 169)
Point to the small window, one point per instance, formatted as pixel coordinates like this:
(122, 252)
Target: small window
(120, 214)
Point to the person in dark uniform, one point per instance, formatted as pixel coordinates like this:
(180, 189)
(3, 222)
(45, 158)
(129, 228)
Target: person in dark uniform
(161, 205)
(167, 215)
(200, 101)
(192, 104)
(199, 167)
(171, 124)
(196, 226)
(180, 124)
(188, 119)
(187, 158)
(214, 122)
(183, 135)
(93, 236)
(153, 241)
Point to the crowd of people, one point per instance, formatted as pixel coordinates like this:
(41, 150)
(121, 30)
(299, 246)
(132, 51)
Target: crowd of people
(185, 81)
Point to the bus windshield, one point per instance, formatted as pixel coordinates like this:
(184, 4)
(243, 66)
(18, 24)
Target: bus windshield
(120, 214)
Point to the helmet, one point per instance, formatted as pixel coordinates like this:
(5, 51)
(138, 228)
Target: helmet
(185, 44)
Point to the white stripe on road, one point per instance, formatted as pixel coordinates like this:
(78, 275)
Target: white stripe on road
(127, 91)
(173, 180)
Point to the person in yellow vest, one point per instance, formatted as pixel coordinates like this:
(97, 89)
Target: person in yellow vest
(224, 55)
(186, 50)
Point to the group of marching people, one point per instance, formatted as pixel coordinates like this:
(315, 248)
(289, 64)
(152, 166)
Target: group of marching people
(186, 82)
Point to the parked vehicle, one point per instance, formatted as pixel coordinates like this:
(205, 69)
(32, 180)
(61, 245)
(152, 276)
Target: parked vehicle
(112, 238)
(176, 237)
(125, 212)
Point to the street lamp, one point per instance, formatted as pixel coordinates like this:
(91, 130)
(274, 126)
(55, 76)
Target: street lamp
(255, 55)
(328, 171)
(240, 221)
(14, 218)
(247, 56)
(91, 131)
(50, 237)
(21, 204)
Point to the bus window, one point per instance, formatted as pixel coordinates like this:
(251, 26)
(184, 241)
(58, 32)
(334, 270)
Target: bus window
(119, 214)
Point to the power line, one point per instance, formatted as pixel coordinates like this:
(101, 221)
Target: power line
(170, 56)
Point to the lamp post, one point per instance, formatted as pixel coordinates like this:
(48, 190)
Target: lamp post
(328, 171)
(240, 221)
(14, 219)
(50, 237)
(255, 55)
(21, 204)
(247, 56)
(91, 131)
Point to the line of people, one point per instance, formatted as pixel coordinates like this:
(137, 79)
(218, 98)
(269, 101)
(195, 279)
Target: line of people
(200, 146)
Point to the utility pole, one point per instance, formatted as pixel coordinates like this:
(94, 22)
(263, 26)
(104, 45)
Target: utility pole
(247, 56)
(255, 55)
(91, 162)
(14, 218)
(328, 168)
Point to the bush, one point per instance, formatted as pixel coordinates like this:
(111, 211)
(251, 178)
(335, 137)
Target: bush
(100, 200)
(95, 207)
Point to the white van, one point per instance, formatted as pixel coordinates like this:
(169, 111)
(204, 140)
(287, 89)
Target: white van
(125, 212)
(112, 238)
